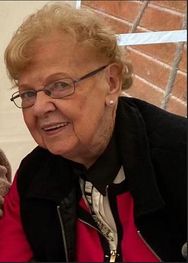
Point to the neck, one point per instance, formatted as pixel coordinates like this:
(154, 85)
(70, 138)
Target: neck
(94, 150)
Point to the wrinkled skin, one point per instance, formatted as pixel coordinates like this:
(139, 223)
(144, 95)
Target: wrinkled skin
(77, 127)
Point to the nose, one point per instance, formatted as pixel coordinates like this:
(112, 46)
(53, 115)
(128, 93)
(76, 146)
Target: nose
(43, 104)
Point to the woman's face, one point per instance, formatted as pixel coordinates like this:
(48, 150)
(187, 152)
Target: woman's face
(76, 127)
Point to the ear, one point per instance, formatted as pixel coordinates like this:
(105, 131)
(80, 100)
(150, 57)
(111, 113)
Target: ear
(114, 80)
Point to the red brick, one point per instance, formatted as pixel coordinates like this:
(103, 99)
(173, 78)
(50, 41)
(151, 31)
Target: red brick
(154, 19)
(164, 53)
(183, 62)
(144, 91)
(126, 10)
(157, 74)
(176, 5)
(177, 107)
(110, 7)
(129, 10)
(118, 26)
(149, 69)
(160, 20)
(180, 87)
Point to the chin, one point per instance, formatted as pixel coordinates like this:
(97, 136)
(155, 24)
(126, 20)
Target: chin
(55, 151)
(51, 148)
(62, 151)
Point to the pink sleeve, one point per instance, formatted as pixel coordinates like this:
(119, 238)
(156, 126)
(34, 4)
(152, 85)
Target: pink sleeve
(14, 246)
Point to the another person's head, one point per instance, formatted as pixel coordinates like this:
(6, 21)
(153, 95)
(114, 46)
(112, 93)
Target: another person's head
(5, 171)
(54, 48)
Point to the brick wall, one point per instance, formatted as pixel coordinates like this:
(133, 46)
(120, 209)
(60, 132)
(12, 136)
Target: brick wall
(152, 63)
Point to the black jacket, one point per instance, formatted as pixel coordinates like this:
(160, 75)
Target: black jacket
(152, 146)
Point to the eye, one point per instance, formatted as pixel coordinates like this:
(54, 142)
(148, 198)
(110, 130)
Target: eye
(62, 84)
(59, 88)
(27, 94)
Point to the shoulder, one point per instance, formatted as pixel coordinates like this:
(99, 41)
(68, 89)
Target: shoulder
(40, 172)
(30, 165)
(149, 111)
(166, 136)
(164, 129)
(35, 155)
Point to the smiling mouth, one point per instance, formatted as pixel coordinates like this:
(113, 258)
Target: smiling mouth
(55, 127)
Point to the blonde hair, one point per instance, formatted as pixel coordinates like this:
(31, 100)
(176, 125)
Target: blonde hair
(82, 23)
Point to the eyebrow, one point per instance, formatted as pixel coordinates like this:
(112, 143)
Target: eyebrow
(47, 80)
(60, 74)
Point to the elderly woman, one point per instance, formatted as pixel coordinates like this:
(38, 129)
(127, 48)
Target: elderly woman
(107, 180)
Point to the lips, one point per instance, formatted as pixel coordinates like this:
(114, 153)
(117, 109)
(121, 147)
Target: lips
(54, 127)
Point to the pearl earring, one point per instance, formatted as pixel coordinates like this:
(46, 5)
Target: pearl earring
(111, 102)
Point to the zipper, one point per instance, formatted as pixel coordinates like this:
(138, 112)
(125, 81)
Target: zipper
(88, 224)
(63, 233)
(113, 254)
(148, 246)
(112, 247)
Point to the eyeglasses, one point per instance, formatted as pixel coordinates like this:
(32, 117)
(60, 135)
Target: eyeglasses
(57, 90)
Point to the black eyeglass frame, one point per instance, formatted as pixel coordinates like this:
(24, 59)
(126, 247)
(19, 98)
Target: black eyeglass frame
(16, 94)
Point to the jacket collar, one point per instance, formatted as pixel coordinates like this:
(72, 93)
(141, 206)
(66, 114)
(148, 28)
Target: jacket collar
(103, 172)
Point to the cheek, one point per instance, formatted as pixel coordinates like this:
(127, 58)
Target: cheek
(32, 127)
(88, 120)
(28, 120)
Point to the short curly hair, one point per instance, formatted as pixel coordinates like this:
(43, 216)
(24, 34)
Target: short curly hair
(83, 24)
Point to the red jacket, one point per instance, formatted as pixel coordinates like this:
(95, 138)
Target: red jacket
(14, 246)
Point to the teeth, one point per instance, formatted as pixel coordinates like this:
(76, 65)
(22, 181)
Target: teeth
(55, 127)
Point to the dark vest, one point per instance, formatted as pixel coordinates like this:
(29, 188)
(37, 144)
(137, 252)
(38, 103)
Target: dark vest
(46, 181)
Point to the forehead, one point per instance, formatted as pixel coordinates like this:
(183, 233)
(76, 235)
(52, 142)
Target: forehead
(59, 52)
(56, 46)
(63, 45)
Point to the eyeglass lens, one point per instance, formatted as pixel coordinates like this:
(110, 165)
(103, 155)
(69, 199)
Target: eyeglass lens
(57, 90)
